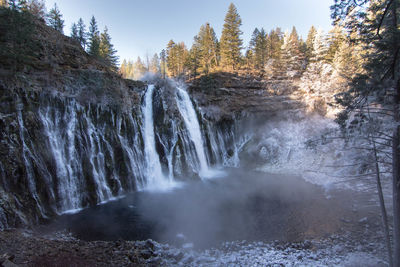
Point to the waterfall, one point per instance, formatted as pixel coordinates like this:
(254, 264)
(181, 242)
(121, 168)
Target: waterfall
(96, 159)
(63, 150)
(130, 146)
(27, 156)
(192, 124)
(154, 175)
(73, 155)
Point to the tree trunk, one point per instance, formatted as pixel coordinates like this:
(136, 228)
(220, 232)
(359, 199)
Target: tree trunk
(382, 206)
(396, 198)
(396, 149)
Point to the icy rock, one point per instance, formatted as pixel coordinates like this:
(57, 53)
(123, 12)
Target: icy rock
(150, 244)
(307, 244)
(146, 254)
(187, 245)
(363, 220)
(8, 263)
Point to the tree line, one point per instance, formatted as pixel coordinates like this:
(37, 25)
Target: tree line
(21, 12)
(371, 101)
(276, 53)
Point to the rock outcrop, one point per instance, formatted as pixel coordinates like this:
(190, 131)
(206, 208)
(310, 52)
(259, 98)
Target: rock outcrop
(62, 83)
(228, 95)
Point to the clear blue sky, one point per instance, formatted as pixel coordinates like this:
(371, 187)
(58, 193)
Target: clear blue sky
(138, 27)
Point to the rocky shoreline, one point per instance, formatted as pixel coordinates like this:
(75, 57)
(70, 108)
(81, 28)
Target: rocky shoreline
(22, 247)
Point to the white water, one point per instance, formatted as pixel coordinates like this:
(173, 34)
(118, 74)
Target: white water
(64, 158)
(134, 156)
(155, 178)
(192, 124)
(97, 161)
(27, 155)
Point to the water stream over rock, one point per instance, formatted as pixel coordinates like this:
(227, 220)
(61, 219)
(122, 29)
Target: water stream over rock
(75, 155)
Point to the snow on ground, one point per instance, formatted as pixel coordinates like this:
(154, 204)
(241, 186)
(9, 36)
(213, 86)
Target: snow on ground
(311, 147)
(329, 252)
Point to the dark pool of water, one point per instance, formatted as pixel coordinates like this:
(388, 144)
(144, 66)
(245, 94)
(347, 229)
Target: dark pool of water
(241, 206)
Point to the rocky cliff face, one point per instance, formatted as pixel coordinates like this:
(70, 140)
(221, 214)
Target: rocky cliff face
(56, 113)
(228, 95)
(71, 132)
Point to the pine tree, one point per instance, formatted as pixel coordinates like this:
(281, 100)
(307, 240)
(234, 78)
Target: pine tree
(378, 85)
(171, 59)
(54, 19)
(34, 7)
(127, 69)
(155, 64)
(23, 5)
(139, 69)
(208, 48)
(347, 60)
(250, 53)
(249, 58)
(310, 42)
(319, 48)
(231, 43)
(163, 63)
(182, 58)
(94, 38)
(74, 32)
(18, 47)
(257, 54)
(37, 8)
(107, 51)
(275, 41)
(194, 57)
(81, 27)
(14, 5)
(292, 58)
(123, 68)
(260, 50)
(335, 39)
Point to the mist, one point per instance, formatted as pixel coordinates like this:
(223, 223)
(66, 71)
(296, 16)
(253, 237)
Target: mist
(244, 205)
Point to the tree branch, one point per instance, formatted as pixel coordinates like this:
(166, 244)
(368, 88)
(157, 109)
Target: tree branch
(382, 18)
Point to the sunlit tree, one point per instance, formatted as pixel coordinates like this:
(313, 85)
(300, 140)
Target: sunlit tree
(207, 43)
(231, 42)
(107, 51)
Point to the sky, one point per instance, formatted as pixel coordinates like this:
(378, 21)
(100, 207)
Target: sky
(144, 27)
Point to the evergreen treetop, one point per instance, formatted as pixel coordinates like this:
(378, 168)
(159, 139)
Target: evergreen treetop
(231, 43)
(74, 32)
(94, 38)
(207, 43)
(54, 18)
(310, 41)
(81, 27)
(107, 51)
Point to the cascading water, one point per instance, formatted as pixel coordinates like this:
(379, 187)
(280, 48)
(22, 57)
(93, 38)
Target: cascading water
(73, 156)
(154, 175)
(98, 163)
(27, 156)
(133, 159)
(63, 151)
(169, 151)
(192, 124)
